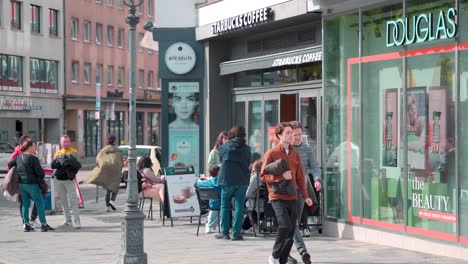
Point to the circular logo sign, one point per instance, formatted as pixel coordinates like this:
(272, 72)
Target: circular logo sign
(180, 58)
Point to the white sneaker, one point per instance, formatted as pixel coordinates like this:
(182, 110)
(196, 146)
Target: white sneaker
(77, 226)
(209, 230)
(35, 224)
(272, 260)
(65, 225)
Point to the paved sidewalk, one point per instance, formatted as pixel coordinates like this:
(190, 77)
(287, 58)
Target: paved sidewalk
(99, 242)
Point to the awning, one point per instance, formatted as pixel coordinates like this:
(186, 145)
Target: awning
(295, 57)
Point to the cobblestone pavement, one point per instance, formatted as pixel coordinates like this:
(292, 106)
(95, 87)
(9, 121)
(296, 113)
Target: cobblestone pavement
(99, 241)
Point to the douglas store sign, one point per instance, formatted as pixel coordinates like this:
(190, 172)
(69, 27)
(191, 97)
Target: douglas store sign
(422, 28)
(242, 21)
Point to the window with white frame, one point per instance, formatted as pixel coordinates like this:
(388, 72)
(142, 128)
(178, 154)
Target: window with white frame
(98, 1)
(110, 75)
(75, 68)
(120, 4)
(53, 22)
(35, 19)
(74, 28)
(150, 79)
(140, 9)
(110, 35)
(1, 14)
(120, 76)
(141, 77)
(149, 8)
(16, 14)
(98, 73)
(109, 2)
(98, 33)
(86, 72)
(140, 38)
(86, 27)
(120, 37)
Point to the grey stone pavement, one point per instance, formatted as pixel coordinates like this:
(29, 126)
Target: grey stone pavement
(99, 241)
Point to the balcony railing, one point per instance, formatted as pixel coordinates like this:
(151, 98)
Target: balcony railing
(53, 31)
(15, 24)
(35, 28)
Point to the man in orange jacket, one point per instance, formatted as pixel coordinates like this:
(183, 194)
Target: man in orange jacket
(284, 204)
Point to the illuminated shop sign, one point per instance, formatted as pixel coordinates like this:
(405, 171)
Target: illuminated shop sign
(422, 28)
(298, 59)
(242, 21)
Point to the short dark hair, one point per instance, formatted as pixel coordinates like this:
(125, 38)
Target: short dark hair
(237, 131)
(295, 124)
(22, 139)
(280, 128)
(257, 166)
(110, 139)
(219, 139)
(214, 170)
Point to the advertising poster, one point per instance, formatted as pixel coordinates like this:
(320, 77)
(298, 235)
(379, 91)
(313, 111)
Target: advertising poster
(182, 196)
(417, 127)
(390, 128)
(437, 119)
(184, 131)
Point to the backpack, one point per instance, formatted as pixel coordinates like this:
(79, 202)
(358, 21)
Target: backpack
(140, 181)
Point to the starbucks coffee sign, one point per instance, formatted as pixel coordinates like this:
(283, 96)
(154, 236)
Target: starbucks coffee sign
(422, 28)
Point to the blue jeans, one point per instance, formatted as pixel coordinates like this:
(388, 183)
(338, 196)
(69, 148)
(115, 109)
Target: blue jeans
(238, 193)
(32, 192)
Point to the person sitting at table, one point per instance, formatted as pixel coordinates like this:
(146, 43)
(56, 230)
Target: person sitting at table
(214, 204)
(251, 193)
(153, 185)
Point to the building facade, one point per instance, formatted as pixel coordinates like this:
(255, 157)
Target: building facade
(97, 70)
(395, 96)
(263, 66)
(31, 70)
(387, 117)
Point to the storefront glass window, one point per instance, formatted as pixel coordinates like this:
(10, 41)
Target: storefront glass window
(271, 119)
(255, 126)
(248, 79)
(139, 128)
(153, 128)
(116, 127)
(340, 110)
(431, 134)
(240, 113)
(90, 133)
(310, 72)
(279, 76)
(463, 143)
(382, 82)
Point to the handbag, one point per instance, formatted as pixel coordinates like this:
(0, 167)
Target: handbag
(40, 181)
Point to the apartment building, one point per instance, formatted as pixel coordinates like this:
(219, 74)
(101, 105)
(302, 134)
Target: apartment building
(97, 70)
(31, 70)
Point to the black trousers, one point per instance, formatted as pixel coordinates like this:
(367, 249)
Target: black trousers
(110, 196)
(33, 216)
(286, 216)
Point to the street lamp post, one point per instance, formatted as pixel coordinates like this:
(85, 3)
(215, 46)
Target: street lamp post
(131, 250)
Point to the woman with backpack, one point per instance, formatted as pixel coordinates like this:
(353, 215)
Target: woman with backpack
(30, 172)
(152, 185)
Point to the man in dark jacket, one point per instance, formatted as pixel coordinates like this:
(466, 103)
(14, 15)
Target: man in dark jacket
(234, 178)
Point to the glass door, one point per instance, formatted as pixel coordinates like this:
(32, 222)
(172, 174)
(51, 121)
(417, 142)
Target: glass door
(310, 118)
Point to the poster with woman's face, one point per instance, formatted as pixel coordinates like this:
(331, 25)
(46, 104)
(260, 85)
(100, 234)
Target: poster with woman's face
(416, 124)
(184, 129)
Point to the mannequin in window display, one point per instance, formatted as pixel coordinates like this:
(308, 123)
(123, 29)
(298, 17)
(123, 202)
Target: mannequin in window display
(436, 132)
(388, 130)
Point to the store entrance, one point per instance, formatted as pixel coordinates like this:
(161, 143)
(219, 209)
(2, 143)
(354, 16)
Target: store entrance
(260, 113)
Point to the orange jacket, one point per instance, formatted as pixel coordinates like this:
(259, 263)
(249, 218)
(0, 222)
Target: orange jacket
(294, 161)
